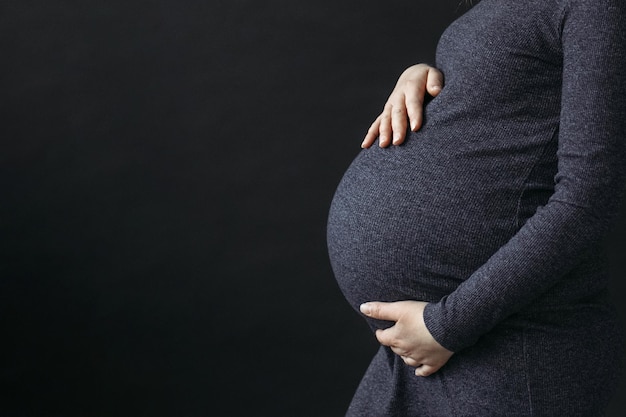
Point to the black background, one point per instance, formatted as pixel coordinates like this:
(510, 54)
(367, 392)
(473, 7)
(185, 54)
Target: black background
(166, 172)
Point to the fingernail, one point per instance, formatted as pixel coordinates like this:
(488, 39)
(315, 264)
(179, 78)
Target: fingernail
(365, 308)
(413, 124)
(396, 138)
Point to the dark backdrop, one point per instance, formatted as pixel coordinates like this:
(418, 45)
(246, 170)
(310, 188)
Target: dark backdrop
(166, 171)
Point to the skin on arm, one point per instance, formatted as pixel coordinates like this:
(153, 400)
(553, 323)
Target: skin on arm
(405, 104)
(408, 337)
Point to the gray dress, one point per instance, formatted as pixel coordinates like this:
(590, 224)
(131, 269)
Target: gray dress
(494, 213)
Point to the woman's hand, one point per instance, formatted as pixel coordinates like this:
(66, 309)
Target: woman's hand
(409, 338)
(406, 101)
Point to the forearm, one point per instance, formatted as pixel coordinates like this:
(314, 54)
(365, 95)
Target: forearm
(549, 246)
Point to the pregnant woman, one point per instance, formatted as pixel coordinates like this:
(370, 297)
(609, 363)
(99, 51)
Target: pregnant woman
(474, 248)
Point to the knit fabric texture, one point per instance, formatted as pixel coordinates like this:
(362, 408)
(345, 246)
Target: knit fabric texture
(495, 211)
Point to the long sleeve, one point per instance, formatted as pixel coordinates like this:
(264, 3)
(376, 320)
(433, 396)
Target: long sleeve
(591, 144)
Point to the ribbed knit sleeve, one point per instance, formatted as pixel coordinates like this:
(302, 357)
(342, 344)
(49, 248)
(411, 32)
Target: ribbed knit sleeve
(588, 185)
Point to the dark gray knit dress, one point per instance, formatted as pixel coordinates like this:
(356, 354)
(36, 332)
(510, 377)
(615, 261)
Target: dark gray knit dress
(494, 213)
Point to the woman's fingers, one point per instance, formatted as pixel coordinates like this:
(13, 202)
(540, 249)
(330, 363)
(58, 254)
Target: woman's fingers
(411, 362)
(428, 80)
(405, 106)
(385, 128)
(398, 122)
(393, 124)
(381, 129)
(424, 364)
(372, 134)
(434, 81)
(426, 370)
(415, 107)
(420, 368)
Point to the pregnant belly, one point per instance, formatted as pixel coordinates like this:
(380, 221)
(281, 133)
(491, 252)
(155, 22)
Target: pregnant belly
(408, 224)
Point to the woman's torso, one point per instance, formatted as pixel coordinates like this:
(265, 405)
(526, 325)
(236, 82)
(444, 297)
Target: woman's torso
(412, 222)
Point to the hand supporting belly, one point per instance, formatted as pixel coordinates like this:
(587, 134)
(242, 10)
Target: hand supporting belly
(408, 337)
